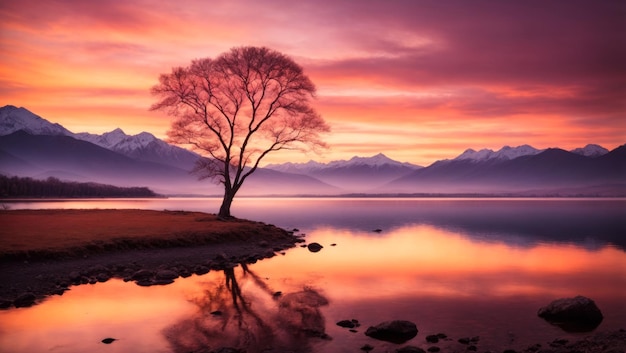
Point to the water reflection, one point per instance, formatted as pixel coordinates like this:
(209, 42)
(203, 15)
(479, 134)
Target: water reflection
(592, 223)
(256, 319)
(462, 267)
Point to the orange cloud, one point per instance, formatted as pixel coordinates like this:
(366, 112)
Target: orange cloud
(407, 79)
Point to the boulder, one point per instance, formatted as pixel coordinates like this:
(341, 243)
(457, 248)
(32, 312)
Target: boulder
(432, 338)
(102, 277)
(25, 300)
(346, 324)
(397, 331)
(314, 247)
(166, 275)
(578, 314)
(142, 275)
(200, 270)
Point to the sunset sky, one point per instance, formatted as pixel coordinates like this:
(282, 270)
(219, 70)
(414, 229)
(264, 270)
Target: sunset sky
(416, 80)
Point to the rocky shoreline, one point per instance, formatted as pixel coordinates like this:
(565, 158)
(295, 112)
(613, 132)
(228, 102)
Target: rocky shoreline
(29, 275)
(26, 283)
(599, 342)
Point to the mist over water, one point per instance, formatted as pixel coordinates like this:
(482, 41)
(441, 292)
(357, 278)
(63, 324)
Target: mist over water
(464, 267)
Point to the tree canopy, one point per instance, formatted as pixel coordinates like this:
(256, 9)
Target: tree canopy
(237, 108)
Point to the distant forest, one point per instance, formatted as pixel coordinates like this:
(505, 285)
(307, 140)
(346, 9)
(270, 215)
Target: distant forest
(16, 187)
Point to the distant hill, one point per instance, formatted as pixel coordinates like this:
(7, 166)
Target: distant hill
(61, 156)
(144, 147)
(30, 146)
(358, 174)
(549, 172)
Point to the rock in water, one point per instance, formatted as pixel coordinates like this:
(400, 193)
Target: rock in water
(108, 340)
(397, 331)
(346, 324)
(315, 247)
(578, 314)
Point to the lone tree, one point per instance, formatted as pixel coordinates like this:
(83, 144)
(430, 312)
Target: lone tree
(236, 109)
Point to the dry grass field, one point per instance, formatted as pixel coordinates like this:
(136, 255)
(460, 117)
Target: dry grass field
(50, 232)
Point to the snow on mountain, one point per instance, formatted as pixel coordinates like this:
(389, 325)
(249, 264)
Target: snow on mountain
(296, 168)
(143, 146)
(505, 153)
(309, 167)
(591, 150)
(374, 161)
(117, 140)
(13, 119)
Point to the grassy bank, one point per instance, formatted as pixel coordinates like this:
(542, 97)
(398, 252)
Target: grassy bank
(70, 233)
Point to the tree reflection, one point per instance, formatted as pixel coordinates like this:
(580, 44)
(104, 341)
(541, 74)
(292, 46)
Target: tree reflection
(262, 320)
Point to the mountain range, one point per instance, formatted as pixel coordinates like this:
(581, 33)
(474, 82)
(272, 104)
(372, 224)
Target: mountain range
(34, 147)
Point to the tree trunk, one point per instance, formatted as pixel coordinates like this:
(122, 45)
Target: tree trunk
(226, 202)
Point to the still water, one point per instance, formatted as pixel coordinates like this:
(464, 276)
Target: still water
(463, 267)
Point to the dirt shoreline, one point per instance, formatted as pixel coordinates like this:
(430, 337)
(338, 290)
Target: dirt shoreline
(45, 252)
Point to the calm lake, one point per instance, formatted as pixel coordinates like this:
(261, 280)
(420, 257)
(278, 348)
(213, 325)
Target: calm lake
(463, 267)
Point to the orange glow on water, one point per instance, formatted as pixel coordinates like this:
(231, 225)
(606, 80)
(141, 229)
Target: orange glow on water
(430, 255)
(424, 263)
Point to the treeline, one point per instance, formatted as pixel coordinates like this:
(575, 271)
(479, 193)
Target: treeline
(17, 187)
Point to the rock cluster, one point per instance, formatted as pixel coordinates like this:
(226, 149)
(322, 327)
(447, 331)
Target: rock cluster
(143, 275)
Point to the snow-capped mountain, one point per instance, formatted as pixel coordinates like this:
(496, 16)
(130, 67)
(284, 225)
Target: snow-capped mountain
(114, 138)
(379, 160)
(591, 150)
(550, 172)
(505, 153)
(31, 146)
(143, 146)
(296, 168)
(358, 174)
(13, 119)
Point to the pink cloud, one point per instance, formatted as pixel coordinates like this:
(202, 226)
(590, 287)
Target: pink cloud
(544, 70)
